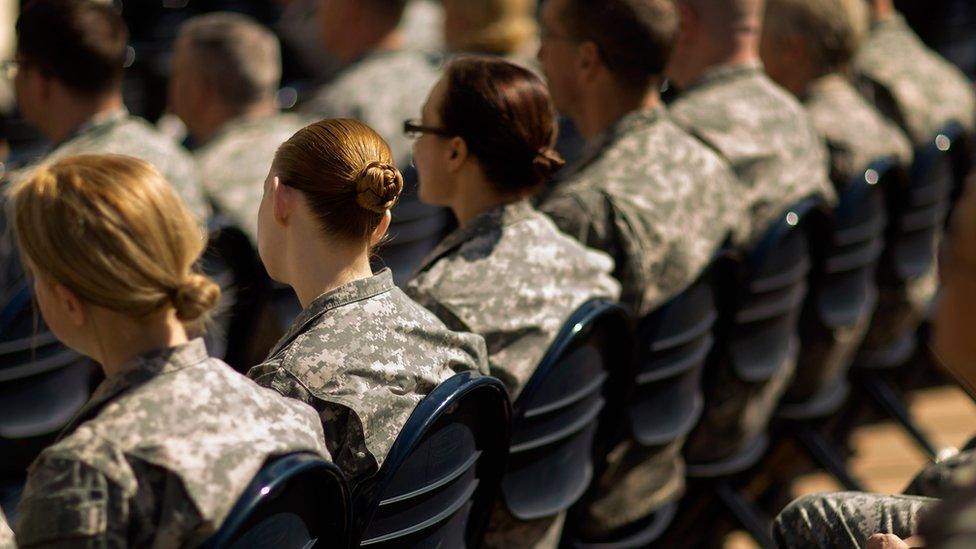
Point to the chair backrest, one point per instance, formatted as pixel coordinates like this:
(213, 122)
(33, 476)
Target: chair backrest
(415, 230)
(442, 475)
(920, 210)
(672, 346)
(233, 263)
(555, 418)
(843, 287)
(42, 385)
(292, 503)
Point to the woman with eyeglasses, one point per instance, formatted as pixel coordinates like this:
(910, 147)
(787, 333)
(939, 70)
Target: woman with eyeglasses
(483, 148)
(171, 438)
(361, 352)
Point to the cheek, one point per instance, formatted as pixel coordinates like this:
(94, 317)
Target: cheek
(430, 174)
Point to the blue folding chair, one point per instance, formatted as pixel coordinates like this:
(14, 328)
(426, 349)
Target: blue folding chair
(555, 418)
(295, 502)
(440, 479)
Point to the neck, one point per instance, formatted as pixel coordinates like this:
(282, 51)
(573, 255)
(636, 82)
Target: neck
(120, 340)
(324, 266)
(476, 195)
(384, 40)
(213, 119)
(605, 109)
(74, 112)
(741, 50)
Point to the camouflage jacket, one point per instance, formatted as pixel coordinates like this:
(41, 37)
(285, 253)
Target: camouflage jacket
(855, 132)
(912, 84)
(364, 355)
(235, 162)
(655, 199)
(510, 276)
(764, 133)
(160, 454)
(381, 90)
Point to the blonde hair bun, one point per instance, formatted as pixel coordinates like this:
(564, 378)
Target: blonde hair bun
(196, 297)
(378, 186)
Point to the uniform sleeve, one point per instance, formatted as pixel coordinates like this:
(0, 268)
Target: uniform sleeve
(69, 504)
(571, 215)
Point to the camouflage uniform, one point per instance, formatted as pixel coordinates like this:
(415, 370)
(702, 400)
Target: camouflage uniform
(6, 535)
(912, 84)
(364, 355)
(768, 138)
(855, 132)
(160, 454)
(510, 276)
(381, 90)
(661, 204)
(764, 133)
(235, 162)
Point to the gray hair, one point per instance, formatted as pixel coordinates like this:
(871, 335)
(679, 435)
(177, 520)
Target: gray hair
(239, 57)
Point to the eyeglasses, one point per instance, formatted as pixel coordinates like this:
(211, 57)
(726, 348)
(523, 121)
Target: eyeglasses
(414, 129)
(9, 69)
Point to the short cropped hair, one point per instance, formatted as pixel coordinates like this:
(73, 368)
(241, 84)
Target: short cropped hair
(832, 29)
(81, 43)
(635, 37)
(240, 59)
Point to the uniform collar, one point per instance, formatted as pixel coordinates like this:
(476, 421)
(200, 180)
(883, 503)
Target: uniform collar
(627, 124)
(484, 223)
(137, 372)
(357, 290)
(721, 74)
(896, 22)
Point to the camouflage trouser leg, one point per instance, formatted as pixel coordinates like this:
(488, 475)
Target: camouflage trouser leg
(847, 519)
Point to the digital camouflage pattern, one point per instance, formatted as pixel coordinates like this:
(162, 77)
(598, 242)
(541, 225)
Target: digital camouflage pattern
(364, 355)
(911, 84)
(381, 90)
(655, 199)
(764, 133)
(159, 455)
(235, 162)
(952, 523)
(845, 520)
(943, 477)
(661, 204)
(6, 534)
(855, 132)
(511, 277)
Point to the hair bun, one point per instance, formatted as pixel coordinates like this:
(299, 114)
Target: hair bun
(546, 163)
(197, 296)
(378, 186)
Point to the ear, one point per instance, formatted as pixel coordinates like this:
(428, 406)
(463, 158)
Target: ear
(72, 307)
(588, 60)
(457, 154)
(283, 199)
(381, 229)
(44, 85)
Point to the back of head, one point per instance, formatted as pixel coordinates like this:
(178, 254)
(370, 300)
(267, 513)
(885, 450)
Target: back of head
(726, 17)
(635, 37)
(499, 27)
(239, 58)
(345, 171)
(505, 116)
(113, 231)
(832, 30)
(81, 43)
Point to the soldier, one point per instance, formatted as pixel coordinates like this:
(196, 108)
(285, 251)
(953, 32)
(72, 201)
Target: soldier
(847, 519)
(910, 83)
(226, 70)
(361, 352)
(171, 438)
(483, 146)
(647, 193)
(382, 84)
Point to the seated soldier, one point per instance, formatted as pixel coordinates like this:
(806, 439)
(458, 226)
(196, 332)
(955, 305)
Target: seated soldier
(484, 146)
(806, 47)
(171, 438)
(654, 198)
(381, 83)
(847, 519)
(361, 352)
(725, 98)
(226, 71)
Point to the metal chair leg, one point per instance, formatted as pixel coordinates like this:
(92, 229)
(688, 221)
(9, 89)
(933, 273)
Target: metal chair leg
(825, 454)
(886, 397)
(746, 513)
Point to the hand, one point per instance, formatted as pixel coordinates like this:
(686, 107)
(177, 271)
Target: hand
(891, 541)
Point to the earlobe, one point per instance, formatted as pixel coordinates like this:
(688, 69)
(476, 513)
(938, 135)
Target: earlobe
(280, 201)
(73, 307)
(381, 229)
(459, 153)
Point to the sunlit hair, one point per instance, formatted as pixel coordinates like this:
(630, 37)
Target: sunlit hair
(833, 30)
(114, 232)
(500, 27)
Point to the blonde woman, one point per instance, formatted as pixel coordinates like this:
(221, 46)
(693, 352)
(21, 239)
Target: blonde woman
(361, 352)
(172, 437)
